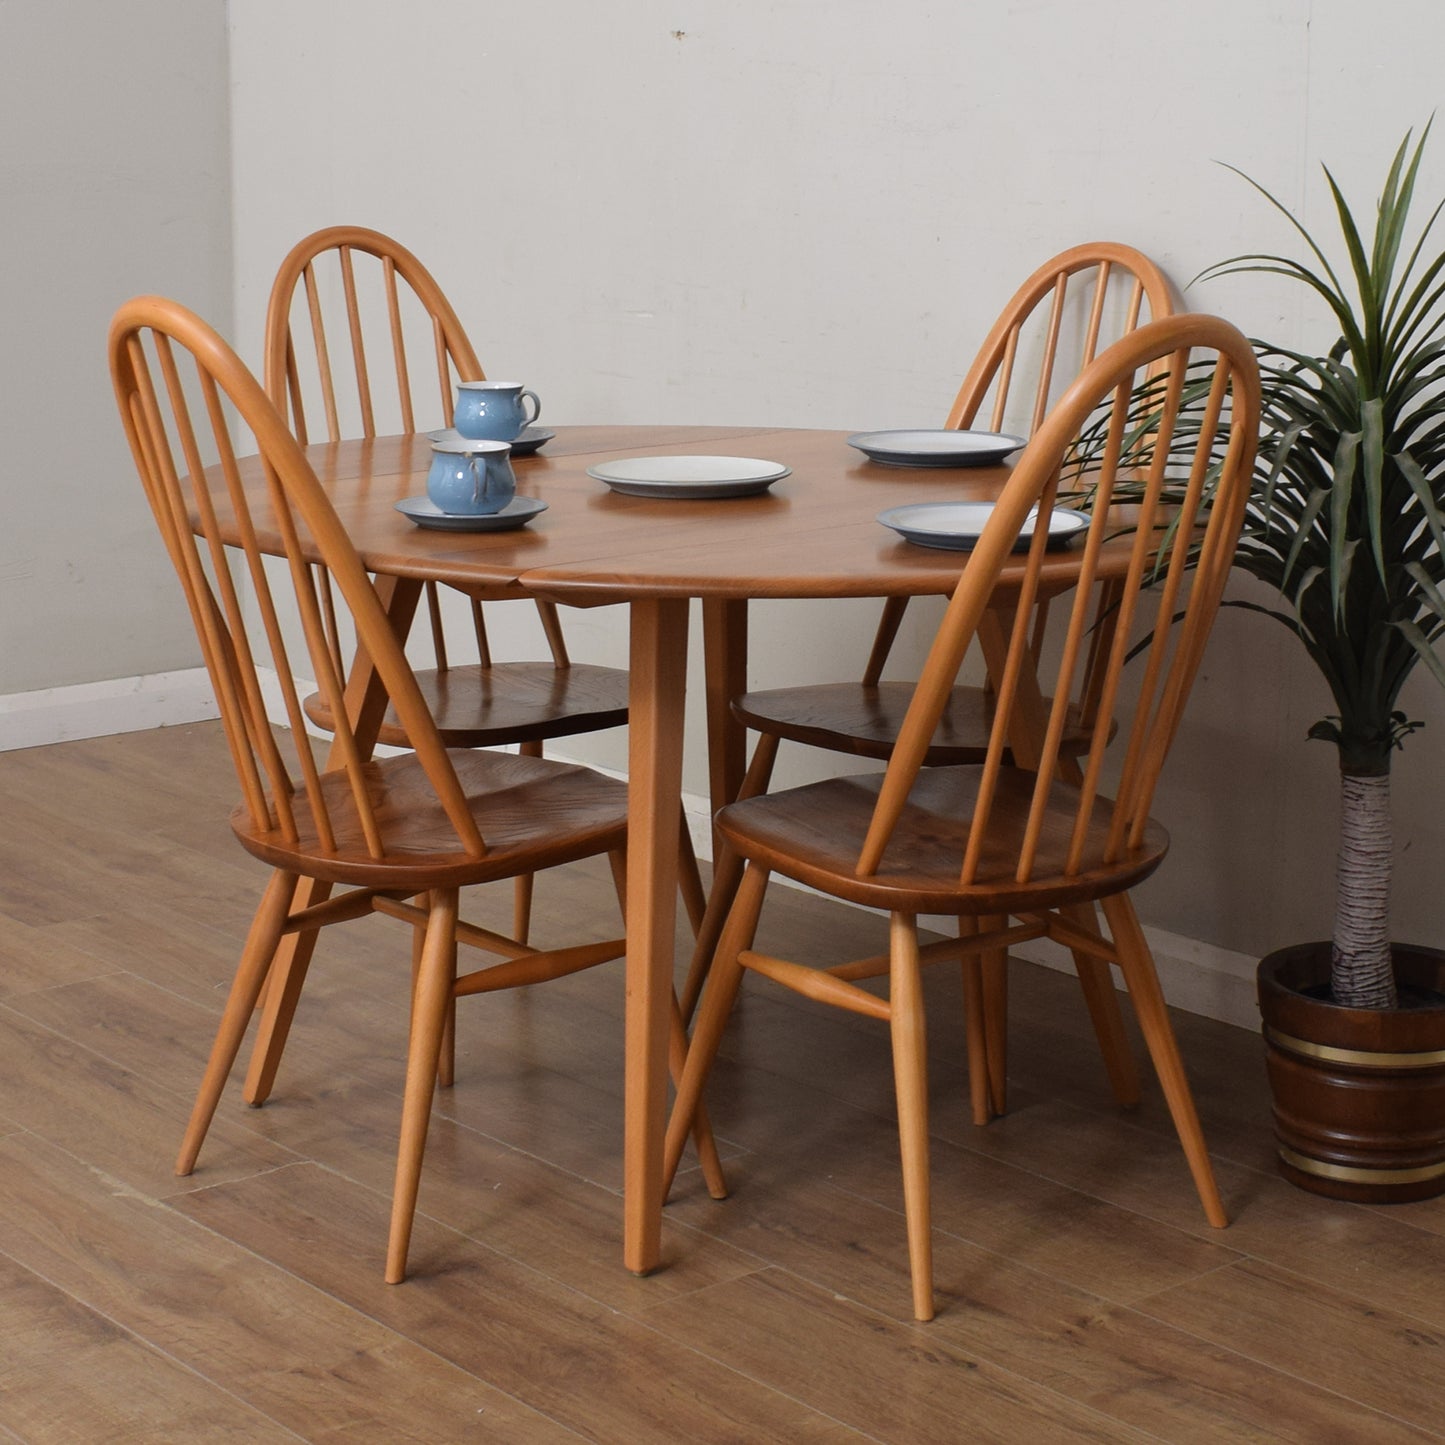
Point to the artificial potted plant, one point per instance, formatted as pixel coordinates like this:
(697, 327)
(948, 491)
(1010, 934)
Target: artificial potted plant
(1347, 524)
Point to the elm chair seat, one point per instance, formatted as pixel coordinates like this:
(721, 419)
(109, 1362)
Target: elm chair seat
(864, 720)
(814, 834)
(521, 799)
(508, 702)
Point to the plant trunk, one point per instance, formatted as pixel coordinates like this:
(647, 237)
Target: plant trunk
(1361, 975)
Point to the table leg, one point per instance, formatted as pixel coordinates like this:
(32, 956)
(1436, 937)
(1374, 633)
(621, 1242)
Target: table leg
(658, 690)
(1030, 719)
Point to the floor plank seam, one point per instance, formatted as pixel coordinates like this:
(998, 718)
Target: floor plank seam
(1214, 1346)
(412, 1337)
(802, 1404)
(497, 1141)
(927, 1339)
(1199, 1229)
(175, 1092)
(1370, 1307)
(1203, 1230)
(72, 982)
(943, 1231)
(188, 1185)
(160, 1351)
(1129, 1119)
(964, 1239)
(1335, 1285)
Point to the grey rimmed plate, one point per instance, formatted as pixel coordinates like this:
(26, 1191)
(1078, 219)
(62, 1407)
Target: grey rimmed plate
(688, 478)
(957, 526)
(939, 447)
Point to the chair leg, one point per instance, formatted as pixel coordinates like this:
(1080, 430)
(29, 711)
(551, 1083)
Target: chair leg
(727, 873)
(522, 883)
(282, 991)
(428, 1021)
(256, 957)
(447, 1057)
(522, 907)
(993, 965)
(910, 1080)
(617, 860)
(1138, 966)
(712, 1170)
(689, 880)
(702, 1135)
(1096, 979)
(722, 989)
(976, 1035)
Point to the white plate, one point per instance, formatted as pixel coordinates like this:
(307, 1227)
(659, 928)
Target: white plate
(523, 444)
(696, 478)
(956, 526)
(425, 513)
(942, 447)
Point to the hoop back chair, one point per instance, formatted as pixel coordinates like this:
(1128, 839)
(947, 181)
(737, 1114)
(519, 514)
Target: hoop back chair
(377, 286)
(1090, 285)
(998, 840)
(418, 826)
(344, 306)
(1069, 307)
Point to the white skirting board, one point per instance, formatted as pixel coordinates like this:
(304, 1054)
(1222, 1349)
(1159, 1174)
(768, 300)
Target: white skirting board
(98, 709)
(1196, 976)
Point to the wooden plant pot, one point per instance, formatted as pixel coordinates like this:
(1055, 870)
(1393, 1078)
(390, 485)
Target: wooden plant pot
(1359, 1094)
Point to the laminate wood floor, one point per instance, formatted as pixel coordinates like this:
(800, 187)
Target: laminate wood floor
(1082, 1296)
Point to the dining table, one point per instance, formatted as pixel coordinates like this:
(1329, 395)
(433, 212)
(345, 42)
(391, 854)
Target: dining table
(813, 533)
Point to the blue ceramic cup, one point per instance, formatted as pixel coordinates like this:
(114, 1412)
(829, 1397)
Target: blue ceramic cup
(471, 478)
(494, 409)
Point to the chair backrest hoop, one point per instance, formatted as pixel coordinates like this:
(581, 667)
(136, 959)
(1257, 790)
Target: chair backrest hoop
(1188, 485)
(210, 519)
(1123, 279)
(1148, 296)
(453, 355)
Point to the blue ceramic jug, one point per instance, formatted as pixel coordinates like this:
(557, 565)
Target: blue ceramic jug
(471, 478)
(494, 409)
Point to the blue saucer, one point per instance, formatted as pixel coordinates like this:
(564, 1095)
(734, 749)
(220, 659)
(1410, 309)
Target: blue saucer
(425, 513)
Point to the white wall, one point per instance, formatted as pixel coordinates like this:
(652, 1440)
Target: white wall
(114, 179)
(808, 215)
(750, 212)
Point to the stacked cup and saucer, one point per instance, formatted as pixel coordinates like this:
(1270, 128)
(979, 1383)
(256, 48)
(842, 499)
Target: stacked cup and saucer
(471, 486)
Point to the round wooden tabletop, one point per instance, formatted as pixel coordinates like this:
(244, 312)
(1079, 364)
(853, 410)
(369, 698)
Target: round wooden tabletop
(813, 534)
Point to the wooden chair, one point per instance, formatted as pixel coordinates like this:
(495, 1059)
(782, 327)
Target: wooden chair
(1078, 300)
(371, 286)
(335, 289)
(1028, 833)
(402, 835)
